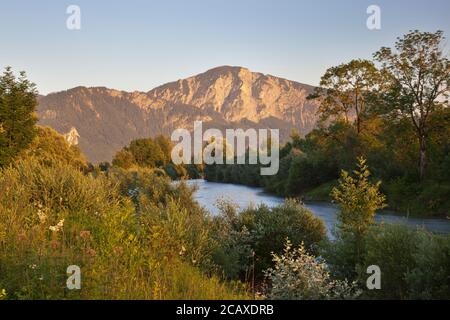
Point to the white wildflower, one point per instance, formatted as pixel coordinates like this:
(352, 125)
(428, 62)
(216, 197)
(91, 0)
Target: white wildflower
(58, 227)
(42, 216)
(182, 251)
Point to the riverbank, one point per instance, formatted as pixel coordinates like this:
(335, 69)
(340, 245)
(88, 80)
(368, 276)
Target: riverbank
(209, 193)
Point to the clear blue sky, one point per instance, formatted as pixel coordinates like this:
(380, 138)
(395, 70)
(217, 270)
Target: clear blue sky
(137, 45)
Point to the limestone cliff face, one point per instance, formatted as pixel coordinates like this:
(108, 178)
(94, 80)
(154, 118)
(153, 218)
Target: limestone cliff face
(224, 97)
(72, 137)
(237, 93)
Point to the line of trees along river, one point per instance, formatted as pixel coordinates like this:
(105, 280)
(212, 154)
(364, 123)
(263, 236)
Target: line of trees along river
(393, 111)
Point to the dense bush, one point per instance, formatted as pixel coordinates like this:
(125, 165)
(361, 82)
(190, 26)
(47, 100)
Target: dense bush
(430, 277)
(414, 263)
(154, 153)
(262, 231)
(391, 248)
(49, 147)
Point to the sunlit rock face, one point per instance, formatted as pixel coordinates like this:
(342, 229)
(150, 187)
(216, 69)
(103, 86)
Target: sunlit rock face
(72, 137)
(105, 120)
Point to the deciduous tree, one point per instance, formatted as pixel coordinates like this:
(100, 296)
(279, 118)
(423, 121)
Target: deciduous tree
(417, 82)
(343, 90)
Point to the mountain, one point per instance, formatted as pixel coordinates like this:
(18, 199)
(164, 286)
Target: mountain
(105, 120)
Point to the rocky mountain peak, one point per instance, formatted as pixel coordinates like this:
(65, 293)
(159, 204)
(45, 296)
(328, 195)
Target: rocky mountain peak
(226, 96)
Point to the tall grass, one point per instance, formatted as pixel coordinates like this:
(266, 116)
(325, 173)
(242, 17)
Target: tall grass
(133, 234)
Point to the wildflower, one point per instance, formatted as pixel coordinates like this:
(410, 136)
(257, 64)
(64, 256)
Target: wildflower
(57, 227)
(42, 216)
(182, 251)
(33, 266)
(85, 234)
(54, 244)
(91, 252)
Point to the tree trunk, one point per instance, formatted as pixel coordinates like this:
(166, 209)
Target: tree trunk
(358, 124)
(422, 157)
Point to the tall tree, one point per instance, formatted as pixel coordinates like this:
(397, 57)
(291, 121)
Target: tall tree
(17, 114)
(343, 90)
(416, 83)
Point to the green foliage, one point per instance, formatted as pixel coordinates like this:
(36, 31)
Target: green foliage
(416, 83)
(358, 199)
(414, 263)
(343, 90)
(17, 118)
(429, 279)
(194, 171)
(176, 172)
(154, 153)
(263, 230)
(49, 148)
(123, 159)
(390, 247)
(322, 192)
(414, 198)
(147, 153)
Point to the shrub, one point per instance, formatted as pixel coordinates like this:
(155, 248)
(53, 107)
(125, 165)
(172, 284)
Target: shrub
(123, 159)
(358, 199)
(176, 172)
(414, 263)
(392, 248)
(265, 230)
(289, 220)
(341, 255)
(298, 275)
(430, 277)
(49, 147)
(234, 242)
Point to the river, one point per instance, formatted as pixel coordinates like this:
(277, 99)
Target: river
(209, 193)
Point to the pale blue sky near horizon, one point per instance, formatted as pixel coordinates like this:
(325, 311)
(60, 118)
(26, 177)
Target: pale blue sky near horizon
(138, 45)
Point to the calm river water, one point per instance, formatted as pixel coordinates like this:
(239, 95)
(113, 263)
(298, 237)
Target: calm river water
(209, 193)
